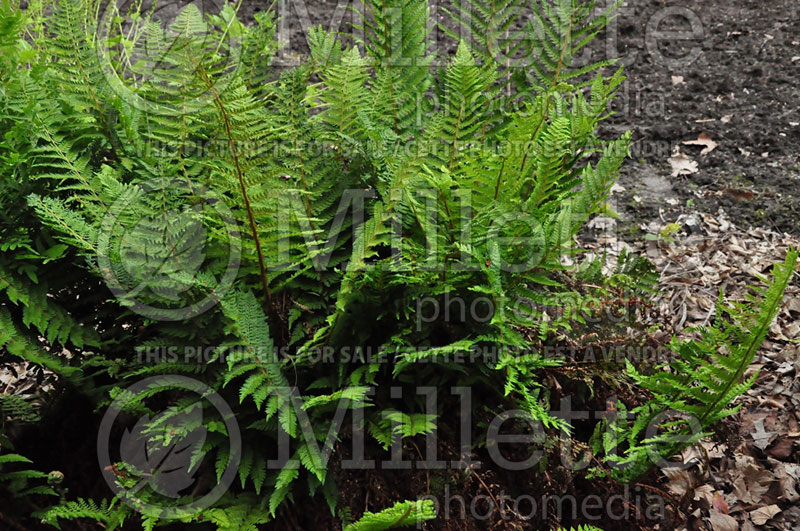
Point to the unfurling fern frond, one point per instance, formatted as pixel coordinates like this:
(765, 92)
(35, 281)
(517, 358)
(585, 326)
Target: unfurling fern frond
(22, 481)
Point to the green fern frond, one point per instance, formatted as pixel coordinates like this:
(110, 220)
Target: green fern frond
(344, 96)
(397, 39)
(245, 515)
(41, 312)
(465, 104)
(265, 379)
(18, 343)
(110, 515)
(562, 28)
(702, 381)
(401, 514)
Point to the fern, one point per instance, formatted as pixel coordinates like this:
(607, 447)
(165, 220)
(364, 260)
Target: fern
(695, 390)
(20, 344)
(15, 408)
(397, 39)
(401, 514)
(109, 515)
(314, 209)
(245, 514)
(562, 28)
(51, 320)
(465, 104)
(395, 423)
(22, 482)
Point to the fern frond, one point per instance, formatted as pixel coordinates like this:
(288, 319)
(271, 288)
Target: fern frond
(265, 379)
(705, 377)
(245, 515)
(110, 515)
(465, 104)
(18, 343)
(40, 311)
(401, 514)
(563, 28)
(344, 96)
(397, 39)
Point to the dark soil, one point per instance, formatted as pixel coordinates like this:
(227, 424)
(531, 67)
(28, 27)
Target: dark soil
(742, 90)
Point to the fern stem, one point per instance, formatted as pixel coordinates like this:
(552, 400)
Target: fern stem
(456, 132)
(562, 56)
(499, 178)
(387, 51)
(240, 176)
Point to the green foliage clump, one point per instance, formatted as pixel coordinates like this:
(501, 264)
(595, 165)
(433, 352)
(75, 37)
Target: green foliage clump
(211, 198)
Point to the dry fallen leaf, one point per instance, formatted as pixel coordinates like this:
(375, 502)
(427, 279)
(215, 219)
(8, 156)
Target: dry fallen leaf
(788, 473)
(761, 437)
(680, 481)
(717, 255)
(752, 484)
(783, 449)
(762, 515)
(682, 165)
(705, 495)
(722, 522)
(703, 140)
